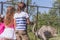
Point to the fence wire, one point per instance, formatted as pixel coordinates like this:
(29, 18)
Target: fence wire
(33, 10)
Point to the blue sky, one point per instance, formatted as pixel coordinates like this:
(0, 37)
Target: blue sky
(47, 3)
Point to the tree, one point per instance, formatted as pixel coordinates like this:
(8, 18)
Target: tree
(55, 13)
(57, 4)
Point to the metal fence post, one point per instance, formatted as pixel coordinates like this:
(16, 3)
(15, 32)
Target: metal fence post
(1, 7)
(37, 20)
(27, 6)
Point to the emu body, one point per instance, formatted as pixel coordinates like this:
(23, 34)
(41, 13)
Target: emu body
(45, 32)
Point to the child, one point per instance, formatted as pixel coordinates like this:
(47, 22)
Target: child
(1, 24)
(8, 33)
(21, 19)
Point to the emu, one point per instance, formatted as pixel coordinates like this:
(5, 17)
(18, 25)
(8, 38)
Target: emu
(45, 32)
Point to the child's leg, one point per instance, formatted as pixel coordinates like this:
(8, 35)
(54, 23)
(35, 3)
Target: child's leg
(6, 39)
(18, 35)
(1, 39)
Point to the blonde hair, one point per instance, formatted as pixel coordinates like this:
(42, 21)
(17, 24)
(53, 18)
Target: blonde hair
(9, 15)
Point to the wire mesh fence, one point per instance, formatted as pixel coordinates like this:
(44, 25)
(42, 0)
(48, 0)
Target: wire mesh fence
(40, 18)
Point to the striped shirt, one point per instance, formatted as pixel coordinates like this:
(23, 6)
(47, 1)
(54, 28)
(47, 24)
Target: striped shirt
(21, 20)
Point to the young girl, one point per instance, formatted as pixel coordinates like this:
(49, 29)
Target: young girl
(2, 26)
(8, 33)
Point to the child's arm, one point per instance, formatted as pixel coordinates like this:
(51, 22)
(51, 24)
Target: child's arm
(5, 21)
(27, 17)
(14, 23)
(28, 21)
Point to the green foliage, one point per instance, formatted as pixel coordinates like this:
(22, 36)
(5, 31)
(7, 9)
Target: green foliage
(51, 18)
(45, 19)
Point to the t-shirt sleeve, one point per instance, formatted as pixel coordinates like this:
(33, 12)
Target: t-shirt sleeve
(27, 16)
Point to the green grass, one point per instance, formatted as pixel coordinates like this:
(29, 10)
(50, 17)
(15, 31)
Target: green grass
(32, 37)
(56, 38)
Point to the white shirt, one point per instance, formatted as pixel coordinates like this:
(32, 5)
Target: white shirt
(21, 20)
